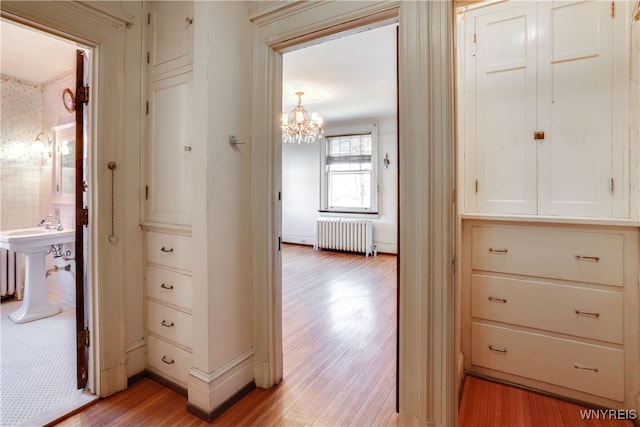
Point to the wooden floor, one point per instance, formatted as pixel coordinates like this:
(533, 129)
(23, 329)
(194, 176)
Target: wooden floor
(486, 403)
(339, 340)
(339, 317)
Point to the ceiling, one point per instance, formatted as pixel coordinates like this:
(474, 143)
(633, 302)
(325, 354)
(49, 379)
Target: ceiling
(33, 55)
(347, 78)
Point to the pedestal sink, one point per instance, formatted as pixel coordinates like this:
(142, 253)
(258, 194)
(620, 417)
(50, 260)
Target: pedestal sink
(34, 243)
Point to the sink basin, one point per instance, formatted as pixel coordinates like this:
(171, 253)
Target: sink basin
(34, 239)
(35, 243)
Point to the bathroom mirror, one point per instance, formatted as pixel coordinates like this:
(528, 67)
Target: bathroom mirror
(64, 168)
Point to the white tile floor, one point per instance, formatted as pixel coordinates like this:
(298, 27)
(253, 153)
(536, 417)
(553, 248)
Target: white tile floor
(37, 365)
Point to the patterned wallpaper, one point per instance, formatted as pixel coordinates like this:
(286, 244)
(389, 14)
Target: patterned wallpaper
(29, 108)
(21, 107)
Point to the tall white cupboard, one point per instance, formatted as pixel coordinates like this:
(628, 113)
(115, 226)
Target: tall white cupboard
(166, 196)
(550, 250)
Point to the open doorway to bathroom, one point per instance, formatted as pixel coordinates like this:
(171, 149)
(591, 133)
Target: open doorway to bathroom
(38, 163)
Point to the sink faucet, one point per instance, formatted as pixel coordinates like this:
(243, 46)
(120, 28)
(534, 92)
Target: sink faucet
(47, 225)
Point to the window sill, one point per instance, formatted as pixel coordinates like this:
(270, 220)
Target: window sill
(349, 213)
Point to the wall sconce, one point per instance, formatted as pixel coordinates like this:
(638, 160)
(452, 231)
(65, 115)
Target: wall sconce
(39, 145)
(386, 161)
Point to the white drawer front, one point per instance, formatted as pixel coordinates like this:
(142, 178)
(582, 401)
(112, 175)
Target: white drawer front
(560, 254)
(170, 287)
(168, 360)
(572, 310)
(168, 323)
(169, 250)
(558, 361)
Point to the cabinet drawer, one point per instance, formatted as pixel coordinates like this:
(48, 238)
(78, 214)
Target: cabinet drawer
(169, 250)
(169, 323)
(579, 366)
(560, 254)
(168, 360)
(169, 286)
(589, 313)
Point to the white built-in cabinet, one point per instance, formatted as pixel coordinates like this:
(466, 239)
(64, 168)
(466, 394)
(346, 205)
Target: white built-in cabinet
(549, 281)
(168, 183)
(169, 86)
(553, 306)
(167, 189)
(546, 104)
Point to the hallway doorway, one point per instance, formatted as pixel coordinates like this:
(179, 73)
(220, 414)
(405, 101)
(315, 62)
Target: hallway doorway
(350, 80)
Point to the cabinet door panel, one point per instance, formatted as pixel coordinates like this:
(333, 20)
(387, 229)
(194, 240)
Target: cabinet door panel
(505, 110)
(575, 63)
(170, 35)
(168, 154)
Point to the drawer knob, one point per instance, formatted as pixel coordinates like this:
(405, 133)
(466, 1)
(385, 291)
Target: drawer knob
(165, 324)
(165, 286)
(500, 300)
(588, 313)
(587, 258)
(168, 361)
(586, 368)
(163, 249)
(497, 350)
(498, 251)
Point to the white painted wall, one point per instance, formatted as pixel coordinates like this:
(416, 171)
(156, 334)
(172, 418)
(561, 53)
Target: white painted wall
(301, 190)
(221, 222)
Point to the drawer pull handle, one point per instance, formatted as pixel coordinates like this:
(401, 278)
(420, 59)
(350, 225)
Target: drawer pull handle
(165, 286)
(497, 350)
(588, 258)
(168, 325)
(163, 249)
(168, 361)
(498, 251)
(587, 313)
(586, 368)
(501, 300)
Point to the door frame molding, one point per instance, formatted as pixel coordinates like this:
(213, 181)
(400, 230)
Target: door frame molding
(428, 293)
(101, 28)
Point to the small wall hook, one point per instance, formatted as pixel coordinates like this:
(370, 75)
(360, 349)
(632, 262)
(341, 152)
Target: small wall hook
(233, 140)
(386, 161)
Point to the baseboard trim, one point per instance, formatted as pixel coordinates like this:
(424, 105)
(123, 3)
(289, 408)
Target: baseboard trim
(210, 416)
(167, 383)
(135, 378)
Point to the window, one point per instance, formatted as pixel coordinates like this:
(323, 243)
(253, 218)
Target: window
(349, 174)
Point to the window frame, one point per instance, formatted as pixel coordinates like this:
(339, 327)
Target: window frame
(348, 129)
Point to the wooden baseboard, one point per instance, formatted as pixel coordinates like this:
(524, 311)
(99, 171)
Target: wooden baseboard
(167, 383)
(137, 377)
(210, 416)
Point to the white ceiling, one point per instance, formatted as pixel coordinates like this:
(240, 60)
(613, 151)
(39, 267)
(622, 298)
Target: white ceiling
(33, 55)
(349, 78)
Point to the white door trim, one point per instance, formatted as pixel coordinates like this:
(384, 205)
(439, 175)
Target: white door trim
(427, 328)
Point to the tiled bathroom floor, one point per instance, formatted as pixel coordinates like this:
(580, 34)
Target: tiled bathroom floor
(37, 365)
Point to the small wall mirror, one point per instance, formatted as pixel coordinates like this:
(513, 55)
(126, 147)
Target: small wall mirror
(64, 163)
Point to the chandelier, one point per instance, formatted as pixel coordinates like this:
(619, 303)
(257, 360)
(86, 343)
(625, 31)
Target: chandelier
(299, 128)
